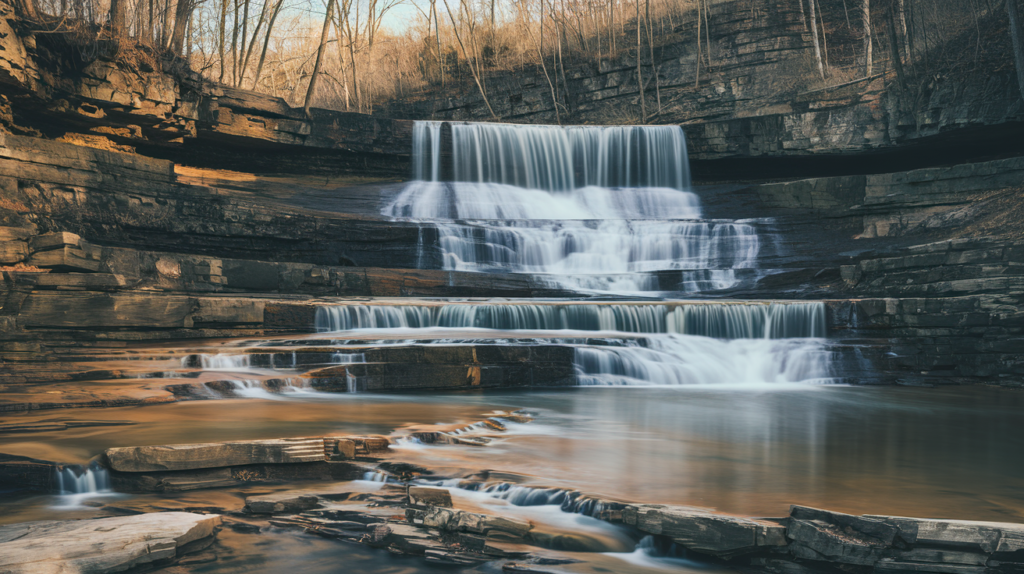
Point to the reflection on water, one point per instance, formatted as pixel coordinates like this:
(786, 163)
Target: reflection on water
(950, 453)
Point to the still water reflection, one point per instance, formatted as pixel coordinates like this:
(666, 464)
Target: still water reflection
(954, 453)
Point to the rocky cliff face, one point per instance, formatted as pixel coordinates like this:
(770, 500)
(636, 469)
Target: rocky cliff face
(759, 101)
(161, 109)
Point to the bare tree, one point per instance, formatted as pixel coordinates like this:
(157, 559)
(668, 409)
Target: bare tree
(1017, 38)
(639, 70)
(182, 15)
(221, 29)
(118, 15)
(27, 9)
(817, 45)
(650, 44)
(471, 60)
(319, 57)
(266, 42)
(867, 37)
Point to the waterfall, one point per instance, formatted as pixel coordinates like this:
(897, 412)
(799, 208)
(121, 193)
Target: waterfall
(426, 143)
(587, 208)
(554, 158)
(680, 360)
(603, 248)
(74, 479)
(719, 320)
(425, 200)
(218, 362)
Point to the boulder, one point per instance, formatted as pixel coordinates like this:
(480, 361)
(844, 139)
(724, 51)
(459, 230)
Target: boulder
(424, 496)
(215, 455)
(339, 448)
(101, 545)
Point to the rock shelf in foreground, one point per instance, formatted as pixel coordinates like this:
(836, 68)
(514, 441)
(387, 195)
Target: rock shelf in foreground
(102, 545)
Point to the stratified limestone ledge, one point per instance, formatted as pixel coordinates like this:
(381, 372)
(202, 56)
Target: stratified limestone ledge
(102, 545)
(215, 455)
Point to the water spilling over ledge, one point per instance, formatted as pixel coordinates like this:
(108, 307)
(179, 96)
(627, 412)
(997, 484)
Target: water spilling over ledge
(709, 319)
(555, 158)
(593, 209)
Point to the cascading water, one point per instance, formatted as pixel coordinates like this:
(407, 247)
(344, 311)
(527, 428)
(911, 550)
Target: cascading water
(573, 205)
(93, 479)
(718, 320)
(554, 158)
(668, 344)
(76, 484)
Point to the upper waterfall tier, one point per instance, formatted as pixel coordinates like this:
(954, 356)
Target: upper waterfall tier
(556, 158)
(495, 201)
(709, 319)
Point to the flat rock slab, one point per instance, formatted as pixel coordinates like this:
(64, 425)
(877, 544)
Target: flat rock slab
(704, 531)
(215, 455)
(102, 545)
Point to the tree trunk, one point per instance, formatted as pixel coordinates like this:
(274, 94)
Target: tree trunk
(867, 38)
(266, 42)
(437, 40)
(1017, 37)
(639, 70)
(27, 9)
(466, 54)
(894, 48)
(220, 44)
(903, 29)
(817, 44)
(241, 47)
(118, 16)
(165, 32)
(182, 15)
(696, 82)
(650, 45)
(319, 57)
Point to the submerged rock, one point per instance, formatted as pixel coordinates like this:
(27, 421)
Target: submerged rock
(101, 545)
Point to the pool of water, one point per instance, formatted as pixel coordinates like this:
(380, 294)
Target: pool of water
(751, 450)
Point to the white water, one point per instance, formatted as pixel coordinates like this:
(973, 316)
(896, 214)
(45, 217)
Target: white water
(76, 480)
(75, 485)
(574, 206)
(432, 200)
(678, 360)
(710, 319)
(556, 158)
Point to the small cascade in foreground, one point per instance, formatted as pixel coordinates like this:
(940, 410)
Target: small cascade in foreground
(78, 480)
(586, 208)
(719, 320)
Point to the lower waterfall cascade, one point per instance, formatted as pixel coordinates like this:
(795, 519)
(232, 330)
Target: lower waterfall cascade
(671, 344)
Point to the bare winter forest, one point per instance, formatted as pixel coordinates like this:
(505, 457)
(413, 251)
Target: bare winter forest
(356, 54)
